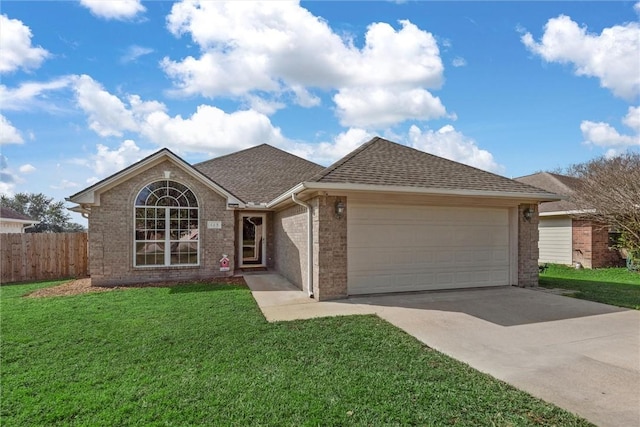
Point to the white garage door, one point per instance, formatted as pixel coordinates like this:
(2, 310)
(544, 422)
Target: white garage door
(414, 248)
(555, 240)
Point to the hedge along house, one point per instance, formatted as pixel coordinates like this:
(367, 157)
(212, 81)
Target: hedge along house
(384, 218)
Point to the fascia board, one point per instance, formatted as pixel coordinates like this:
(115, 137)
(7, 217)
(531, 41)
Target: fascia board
(91, 195)
(537, 197)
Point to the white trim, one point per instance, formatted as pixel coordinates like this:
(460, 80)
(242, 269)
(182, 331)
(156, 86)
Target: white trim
(19, 221)
(263, 245)
(91, 195)
(537, 197)
(572, 212)
(167, 228)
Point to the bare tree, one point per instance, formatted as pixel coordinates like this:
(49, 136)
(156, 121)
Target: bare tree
(610, 194)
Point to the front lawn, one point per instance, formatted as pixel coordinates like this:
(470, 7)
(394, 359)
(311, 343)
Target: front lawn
(615, 286)
(203, 354)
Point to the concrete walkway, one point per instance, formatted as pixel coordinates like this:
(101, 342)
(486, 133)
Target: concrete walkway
(579, 355)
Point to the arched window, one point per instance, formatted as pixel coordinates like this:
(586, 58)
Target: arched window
(166, 225)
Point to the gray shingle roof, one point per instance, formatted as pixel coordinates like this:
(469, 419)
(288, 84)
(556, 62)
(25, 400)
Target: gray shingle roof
(382, 162)
(258, 174)
(9, 213)
(555, 183)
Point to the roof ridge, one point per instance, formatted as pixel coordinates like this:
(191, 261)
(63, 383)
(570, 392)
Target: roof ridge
(326, 171)
(231, 154)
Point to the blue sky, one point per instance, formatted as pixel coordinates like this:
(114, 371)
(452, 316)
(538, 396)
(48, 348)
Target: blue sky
(90, 87)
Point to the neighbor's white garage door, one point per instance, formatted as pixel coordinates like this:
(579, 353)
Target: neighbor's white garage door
(554, 242)
(413, 248)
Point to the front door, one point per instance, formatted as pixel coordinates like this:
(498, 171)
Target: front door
(253, 242)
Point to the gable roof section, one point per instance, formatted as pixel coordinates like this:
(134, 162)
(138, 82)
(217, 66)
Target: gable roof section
(10, 215)
(91, 195)
(384, 163)
(258, 174)
(556, 183)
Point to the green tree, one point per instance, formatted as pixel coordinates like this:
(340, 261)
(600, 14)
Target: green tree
(53, 216)
(610, 194)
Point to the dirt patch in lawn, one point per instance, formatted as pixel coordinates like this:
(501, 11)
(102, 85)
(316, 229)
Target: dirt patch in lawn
(83, 286)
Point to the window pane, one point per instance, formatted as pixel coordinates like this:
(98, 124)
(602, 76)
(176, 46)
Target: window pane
(149, 253)
(170, 222)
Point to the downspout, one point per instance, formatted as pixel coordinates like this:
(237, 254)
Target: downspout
(309, 242)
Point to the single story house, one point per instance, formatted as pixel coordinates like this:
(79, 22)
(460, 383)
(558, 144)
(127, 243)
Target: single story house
(384, 218)
(565, 238)
(14, 222)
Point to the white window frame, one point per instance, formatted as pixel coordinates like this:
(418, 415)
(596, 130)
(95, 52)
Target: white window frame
(167, 241)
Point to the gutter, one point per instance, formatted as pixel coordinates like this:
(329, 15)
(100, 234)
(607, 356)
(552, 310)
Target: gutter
(309, 241)
(335, 186)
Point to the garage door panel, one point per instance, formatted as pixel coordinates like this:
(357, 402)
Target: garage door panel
(396, 249)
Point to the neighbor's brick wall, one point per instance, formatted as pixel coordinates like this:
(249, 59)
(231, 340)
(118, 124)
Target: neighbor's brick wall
(591, 245)
(581, 242)
(330, 263)
(111, 233)
(528, 247)
(290, 244)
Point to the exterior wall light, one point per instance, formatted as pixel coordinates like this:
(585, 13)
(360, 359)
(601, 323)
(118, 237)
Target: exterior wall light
(527, 214)
(339, 209)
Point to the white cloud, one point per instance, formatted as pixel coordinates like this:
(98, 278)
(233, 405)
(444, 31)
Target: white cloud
(210, 130)
(381, 107)
(16, 50)
(8, 133)
(612, 56)
(632, 119)
(636, 7)
(604, 135)
(280, 47)
(325, 153)
(453, 145)
(108, 115)
(7, 178)
(64, 184)
(134, 52)
(114, 9)
(106, 161)
(31, 94)
(458, 61)
(27, 168)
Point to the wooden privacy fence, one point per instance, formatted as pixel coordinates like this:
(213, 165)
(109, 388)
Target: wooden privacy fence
(42, 256)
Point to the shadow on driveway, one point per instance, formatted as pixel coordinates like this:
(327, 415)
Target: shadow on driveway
(504, 306)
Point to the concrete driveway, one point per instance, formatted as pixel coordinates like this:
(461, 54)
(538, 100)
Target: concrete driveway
(579, 355)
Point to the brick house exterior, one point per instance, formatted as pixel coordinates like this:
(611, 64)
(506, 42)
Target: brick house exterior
(565, 238)
(165, 220)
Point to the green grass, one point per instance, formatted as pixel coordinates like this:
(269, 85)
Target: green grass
(204, 355)
(615, 286)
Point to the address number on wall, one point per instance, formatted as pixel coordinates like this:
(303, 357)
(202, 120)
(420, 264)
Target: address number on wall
(214, 224)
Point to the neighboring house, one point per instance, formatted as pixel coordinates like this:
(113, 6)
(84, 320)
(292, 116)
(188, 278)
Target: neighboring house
(564, 237)
(384, 218)
(14, 222)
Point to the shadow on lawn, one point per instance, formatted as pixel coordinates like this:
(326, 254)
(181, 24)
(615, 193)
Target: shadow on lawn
(619, 294)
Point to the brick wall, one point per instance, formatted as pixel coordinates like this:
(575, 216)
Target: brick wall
(111, 233)
(528, 247)
(330, 263)
(290, 244)
(591, 245)
(581, 242)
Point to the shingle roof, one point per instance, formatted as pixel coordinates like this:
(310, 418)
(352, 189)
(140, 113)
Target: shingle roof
(382, 162)
(555, 183)
(258, 174)
(8, 213)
